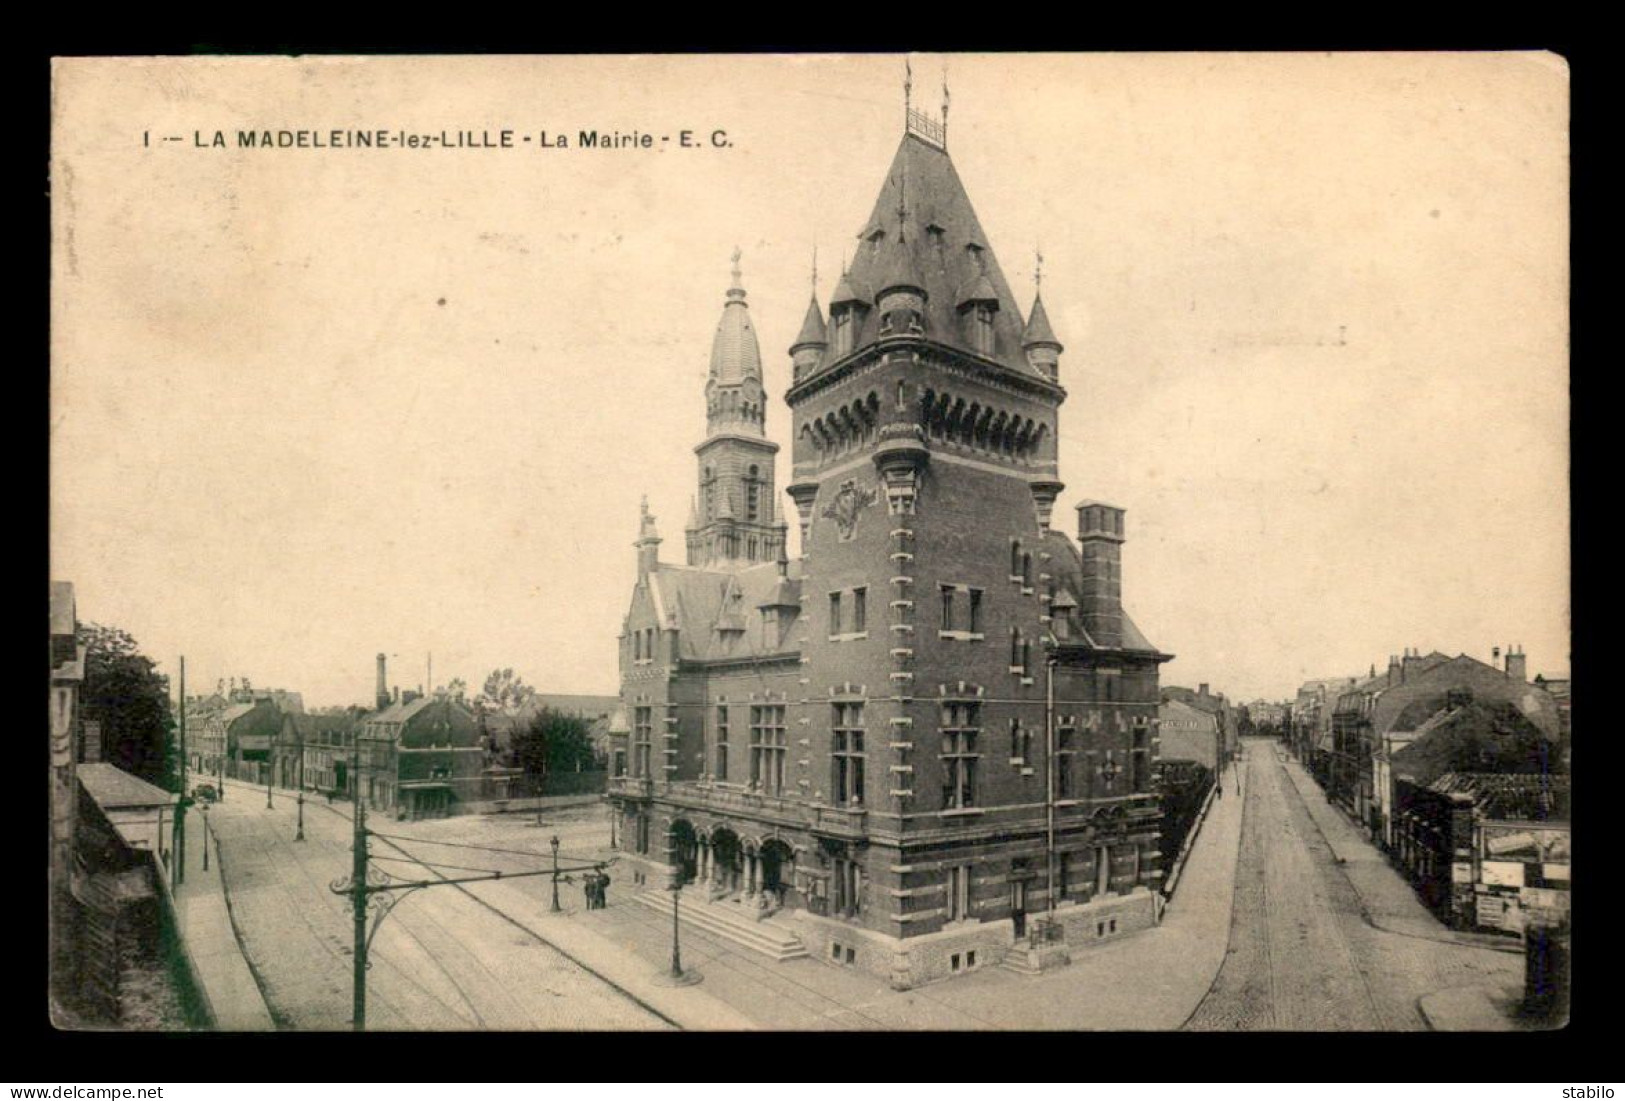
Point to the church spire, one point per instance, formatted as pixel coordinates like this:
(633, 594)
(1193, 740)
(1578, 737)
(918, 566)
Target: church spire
(733, 393)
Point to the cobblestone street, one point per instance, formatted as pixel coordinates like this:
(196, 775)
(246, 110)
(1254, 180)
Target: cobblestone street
(1302, 953)
(440, 961)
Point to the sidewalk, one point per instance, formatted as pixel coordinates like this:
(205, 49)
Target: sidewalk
(1387, 901)
(1149, 981)
(204, 921)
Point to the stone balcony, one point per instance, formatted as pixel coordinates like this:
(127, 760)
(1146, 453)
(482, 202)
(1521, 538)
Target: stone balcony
(782, 810)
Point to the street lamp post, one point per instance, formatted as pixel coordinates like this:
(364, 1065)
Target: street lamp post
(555, 844)
(300, 835)
(676, 951)
(270, 771)
(205, 813)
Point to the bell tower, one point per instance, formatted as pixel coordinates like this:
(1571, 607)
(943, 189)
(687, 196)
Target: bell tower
(733, 519)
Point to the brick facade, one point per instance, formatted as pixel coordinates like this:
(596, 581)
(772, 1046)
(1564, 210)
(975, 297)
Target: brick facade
(861, 739)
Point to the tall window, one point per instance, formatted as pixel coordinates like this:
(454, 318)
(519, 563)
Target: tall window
(846, 754)
(958, 901)
(961, 723)
(1140, 758)
(709, 491)
(1026, 570)
(834, 613)
(767, 748)
(1015, 558)
(1065, 735)
(753, 495)
(860, 610)
(1063, 875)
(642, 741)
(721, 768)
(843, 331)
(947, 607)
(975, 625)
(1016, 647)
(1021, 742)
(848, 884)
(984, 329)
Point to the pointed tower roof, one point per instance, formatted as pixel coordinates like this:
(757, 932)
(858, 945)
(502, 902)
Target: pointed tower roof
(981, 290)
(735, 355)
(813, 333)
(900, 270)
(945, 245)
(1038, 328)
(693, 513)
(846, 291)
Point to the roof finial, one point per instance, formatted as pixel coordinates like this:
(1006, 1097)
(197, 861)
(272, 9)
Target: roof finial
(1038, 270)
(736, 273)
(945, 104)
(908, 86)
(815, 270)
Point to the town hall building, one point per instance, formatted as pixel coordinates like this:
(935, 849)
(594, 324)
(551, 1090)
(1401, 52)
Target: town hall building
(927, 743)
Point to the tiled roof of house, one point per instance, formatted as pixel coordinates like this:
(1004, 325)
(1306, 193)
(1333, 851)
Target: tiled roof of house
(1518, 796)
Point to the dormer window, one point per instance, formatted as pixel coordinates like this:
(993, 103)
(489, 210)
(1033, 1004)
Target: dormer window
(875, 238)
(753, 502)
(845, 330)
(982, 328)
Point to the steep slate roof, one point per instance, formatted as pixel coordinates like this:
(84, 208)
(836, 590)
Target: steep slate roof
(1480, 736)
(813, 330)
(1038, 327)
(114, 789)
(1066, 566)
(698, 600)
(1434, 684)
(922, 180)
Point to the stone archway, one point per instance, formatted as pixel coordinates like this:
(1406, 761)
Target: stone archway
(778, 874)
(727, 860)
(684, 850)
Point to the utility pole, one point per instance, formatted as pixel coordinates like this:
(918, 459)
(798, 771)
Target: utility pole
(270, 769)
(676, 897)
(1049, 783)
(205, 836)
(179, 846)
(300, 834)
(555, 844)
(358, 884)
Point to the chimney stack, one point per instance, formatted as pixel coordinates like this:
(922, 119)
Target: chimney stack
(1516, 669)
(382, 695)
(648, 544)
(1100, 587)
(1396, 674)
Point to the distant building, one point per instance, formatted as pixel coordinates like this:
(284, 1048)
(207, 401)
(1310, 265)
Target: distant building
(1225, 715)
(142, 814)
(420, 756)
(1188, 733)
(1412, 691)
(1311, 736)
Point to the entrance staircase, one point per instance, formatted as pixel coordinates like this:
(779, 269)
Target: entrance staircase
(729, 921)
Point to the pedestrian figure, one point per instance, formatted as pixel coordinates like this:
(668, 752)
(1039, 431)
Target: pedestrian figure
(587, 890)
(603, 890)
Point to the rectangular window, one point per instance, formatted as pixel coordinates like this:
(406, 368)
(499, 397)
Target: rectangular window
(958, 904)
(961, 723)
(947, 607)
(846, 754)
(642, 742)
(975, 625)
(1063, 875)
(768, 747)
(834, 613)
(848, 887)
(721, 766)
(860, 610)
(1063, 761)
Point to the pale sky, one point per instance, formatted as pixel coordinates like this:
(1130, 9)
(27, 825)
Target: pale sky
(1314, 308)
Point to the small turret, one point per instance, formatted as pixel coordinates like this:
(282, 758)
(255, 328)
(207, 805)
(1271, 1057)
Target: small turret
(1038, 341)
(648, 543)
(808, 350)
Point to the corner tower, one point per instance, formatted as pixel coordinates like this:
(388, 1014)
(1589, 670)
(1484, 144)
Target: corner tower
(733, 518)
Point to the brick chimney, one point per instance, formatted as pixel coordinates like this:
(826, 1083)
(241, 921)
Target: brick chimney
(1516, 668)
(1412, 657)
(1100, 587)
(1396, 673)
(382, 696)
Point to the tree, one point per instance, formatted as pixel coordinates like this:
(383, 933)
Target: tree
(554, 741)
(457, 689)
(504, 694)
(124, 692)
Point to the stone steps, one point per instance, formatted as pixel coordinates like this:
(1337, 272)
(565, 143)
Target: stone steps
(729, 922)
